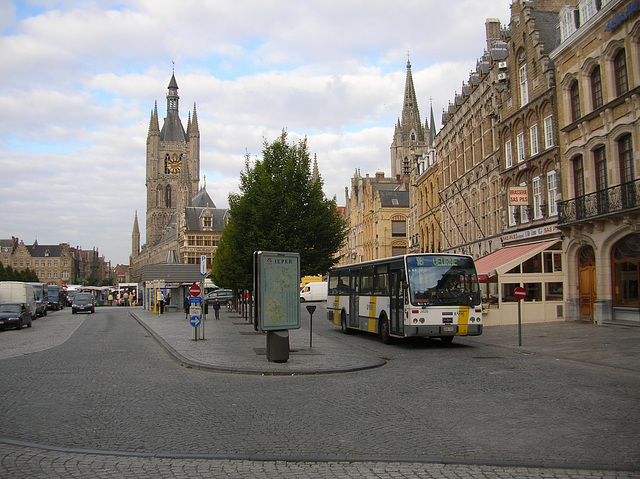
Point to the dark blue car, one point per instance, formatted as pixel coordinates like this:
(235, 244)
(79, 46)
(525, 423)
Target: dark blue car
(15, 314)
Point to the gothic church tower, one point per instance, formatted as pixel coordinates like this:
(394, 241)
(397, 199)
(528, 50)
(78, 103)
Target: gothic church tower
(173, 165)
(409, 142)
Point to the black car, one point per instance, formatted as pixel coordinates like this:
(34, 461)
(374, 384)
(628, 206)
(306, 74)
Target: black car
(83, 302)
(223, 295)
(15, 314)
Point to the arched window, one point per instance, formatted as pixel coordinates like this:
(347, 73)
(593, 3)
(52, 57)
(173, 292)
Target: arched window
(626, 272)
(600, 159)
(167, 196)
(596, 88)
(620, 70)
(574, 94)
(578, 184)
(625, 156)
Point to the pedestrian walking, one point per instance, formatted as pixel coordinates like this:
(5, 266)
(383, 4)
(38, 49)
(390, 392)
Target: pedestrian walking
(186, 307)
(216, 308)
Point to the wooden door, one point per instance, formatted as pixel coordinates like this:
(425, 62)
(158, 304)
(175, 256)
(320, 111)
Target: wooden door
(587, 282)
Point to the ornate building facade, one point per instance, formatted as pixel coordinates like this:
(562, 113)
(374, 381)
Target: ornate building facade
(182, 222)
(598, 71)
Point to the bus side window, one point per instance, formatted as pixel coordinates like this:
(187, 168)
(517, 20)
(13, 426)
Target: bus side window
(333, 285)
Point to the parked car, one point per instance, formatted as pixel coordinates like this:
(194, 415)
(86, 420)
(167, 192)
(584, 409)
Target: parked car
(15, 314)
(83, 302)
(223, 295)
(18, 292)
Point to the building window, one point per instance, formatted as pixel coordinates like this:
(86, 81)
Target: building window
(508, 158)
(524, 210)
(524, 87)
(399, 229)
(207, 222)
(520, 147)
(552, 190)
(533, 138)
(602, 197)
(167, 197)
(578, 176)
(620, 69)
(567, 22)
(625, 155)
(600, 158)
(596, 88)
(626, 273)
(587, 10)
(536, 186)
(548, 132)
(574, 94)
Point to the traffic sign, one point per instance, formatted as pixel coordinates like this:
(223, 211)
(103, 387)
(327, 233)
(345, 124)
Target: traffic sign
(519, 293)
(195, 321)
(195, 299)
(194, 290)
(195, 310)
(203, 265)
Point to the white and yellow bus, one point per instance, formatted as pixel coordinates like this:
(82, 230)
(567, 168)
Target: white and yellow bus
(422, 295)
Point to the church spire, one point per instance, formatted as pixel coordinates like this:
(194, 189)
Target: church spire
(154, 125)
(412, 129)
(432, 129)
(135, 237)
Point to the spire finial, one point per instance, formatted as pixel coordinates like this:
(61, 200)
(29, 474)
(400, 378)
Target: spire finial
(173, 66)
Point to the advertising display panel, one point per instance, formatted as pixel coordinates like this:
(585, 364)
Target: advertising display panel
(277, 279)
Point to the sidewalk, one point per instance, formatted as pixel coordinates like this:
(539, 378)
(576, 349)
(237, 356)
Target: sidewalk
(232, 345)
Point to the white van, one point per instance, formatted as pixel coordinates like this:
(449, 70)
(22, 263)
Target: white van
(314, 292)
(18, 292)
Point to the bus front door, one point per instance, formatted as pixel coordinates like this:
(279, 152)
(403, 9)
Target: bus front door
(397, 304)
(354, 300)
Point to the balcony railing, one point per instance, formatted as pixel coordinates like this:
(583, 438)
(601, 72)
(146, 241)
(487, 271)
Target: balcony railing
(616, 199)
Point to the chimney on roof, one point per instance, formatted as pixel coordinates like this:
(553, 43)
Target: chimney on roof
(492, 28)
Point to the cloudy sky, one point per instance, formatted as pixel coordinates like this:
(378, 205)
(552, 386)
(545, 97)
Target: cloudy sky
(80, 79)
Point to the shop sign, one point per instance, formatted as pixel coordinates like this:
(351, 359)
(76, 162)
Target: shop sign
(532, 233)
(518, 196)
(620, 18)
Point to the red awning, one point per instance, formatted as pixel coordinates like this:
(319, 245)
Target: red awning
(488, 265)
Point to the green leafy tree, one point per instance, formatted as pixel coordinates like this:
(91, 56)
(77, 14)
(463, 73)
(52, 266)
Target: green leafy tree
(281, 207)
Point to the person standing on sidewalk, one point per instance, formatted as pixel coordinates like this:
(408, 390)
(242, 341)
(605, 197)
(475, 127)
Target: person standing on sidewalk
(216, 308)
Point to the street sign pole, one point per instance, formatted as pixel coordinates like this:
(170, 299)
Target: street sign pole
(204, 309)
(311, 308)
(520, 294)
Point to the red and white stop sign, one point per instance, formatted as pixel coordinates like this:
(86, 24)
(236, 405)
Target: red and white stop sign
(519, 293)
(194, 290)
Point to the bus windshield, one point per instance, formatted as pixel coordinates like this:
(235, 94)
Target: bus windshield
(442, 280)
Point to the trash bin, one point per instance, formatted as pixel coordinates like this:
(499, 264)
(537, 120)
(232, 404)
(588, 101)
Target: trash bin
(278, 346)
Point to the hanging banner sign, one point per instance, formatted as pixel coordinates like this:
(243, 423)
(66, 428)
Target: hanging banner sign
(518, 196)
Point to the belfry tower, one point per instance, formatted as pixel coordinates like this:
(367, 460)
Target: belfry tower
(409, 140)
(173, 165)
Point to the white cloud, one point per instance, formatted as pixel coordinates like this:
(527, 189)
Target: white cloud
(81, 78)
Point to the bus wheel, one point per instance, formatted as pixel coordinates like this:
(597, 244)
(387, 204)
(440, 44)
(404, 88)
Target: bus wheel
(446, 339)
(343, 323)
(384, 330)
